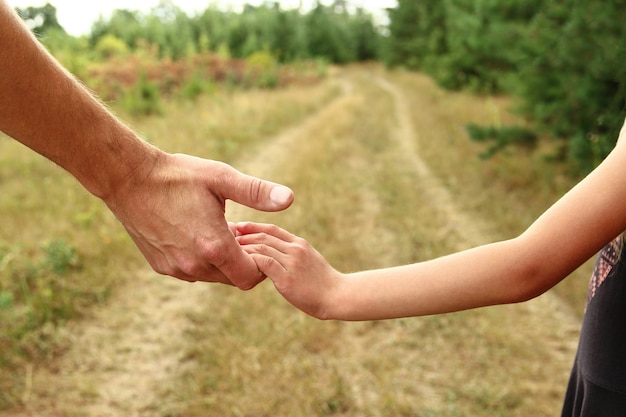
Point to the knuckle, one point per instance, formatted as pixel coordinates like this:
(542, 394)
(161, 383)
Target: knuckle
(172, 271)
(267, 263)
(213, 251)
(162, 268)
(247, 285)
(190, 267)
(221, 173)
(261, 240)
(256, 189)
(185, 266)
(273, 229)
(300, 245)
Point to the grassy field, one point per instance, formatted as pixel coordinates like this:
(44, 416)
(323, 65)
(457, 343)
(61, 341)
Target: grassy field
(43, 207)
(384, 174)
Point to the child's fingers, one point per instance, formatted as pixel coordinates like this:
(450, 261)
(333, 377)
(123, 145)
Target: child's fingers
(263, 249)
(264, 239)
(269, 229)
(267, 264)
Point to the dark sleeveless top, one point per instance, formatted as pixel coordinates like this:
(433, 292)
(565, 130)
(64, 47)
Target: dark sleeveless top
(597, 386)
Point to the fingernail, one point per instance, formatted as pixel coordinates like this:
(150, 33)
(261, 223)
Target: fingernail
(281, 195)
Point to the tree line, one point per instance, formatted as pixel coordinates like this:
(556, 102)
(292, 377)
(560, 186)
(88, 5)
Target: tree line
(562, 60)
(134, 57)
(332, 32)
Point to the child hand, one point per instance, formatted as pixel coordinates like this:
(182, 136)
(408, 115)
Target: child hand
(298, 271)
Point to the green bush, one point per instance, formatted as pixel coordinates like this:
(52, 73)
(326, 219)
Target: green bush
(262, 70)
(110, 46)
(562, 61)
(143, 99)
(60, 257)
(499, 138)
(36, 294)
(195, 86)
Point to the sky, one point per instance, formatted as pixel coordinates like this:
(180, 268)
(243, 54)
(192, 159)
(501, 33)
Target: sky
(77, 16)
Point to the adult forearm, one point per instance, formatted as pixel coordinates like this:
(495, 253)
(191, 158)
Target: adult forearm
(47, 109)
(171, 205)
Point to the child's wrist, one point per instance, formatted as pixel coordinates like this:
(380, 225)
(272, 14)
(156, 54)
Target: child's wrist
(337, 303)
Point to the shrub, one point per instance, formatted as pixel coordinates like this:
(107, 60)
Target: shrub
(262, 70)
(195, 86)
(501, 137)
(36, 294)
(144, 98)
(110, 46)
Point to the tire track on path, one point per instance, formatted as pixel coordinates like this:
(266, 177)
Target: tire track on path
(557, 327)
(126, 357)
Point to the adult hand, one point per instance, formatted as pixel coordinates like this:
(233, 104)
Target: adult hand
(174, 212)
(172, 205)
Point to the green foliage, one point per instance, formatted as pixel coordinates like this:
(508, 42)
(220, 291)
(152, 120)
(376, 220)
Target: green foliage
(327, 32)
(60, 257)
(501, 137)
(34, 298)
(123, 24)
(262, 69)
(252, 48)
(367, 40)
(464, 43)
(417, 33)
(110, 46)
(196, 86)
(288, 39)
(144, 98)
(562, 61)
(74, 53)
(328, 35)
(573, 83)
(6, 299)
(42, 19)
(36, 285)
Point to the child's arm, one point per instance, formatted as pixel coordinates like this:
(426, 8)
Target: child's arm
(563, 238)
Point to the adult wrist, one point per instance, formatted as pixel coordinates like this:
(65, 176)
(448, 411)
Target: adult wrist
(121, 166)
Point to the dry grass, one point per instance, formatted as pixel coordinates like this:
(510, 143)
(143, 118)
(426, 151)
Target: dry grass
(512, 189)
(42, 205)
(364, 204)
(360, 202)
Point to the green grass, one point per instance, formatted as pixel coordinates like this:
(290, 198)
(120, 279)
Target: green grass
(57, 245)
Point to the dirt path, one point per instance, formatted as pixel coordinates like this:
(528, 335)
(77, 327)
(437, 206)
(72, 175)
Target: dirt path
(474, 228)
(546, 318)
(125, 358)
(407, 140)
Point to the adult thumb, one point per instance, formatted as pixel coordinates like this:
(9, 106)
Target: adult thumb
(254, 192)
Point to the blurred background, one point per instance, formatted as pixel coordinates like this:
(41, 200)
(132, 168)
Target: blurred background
(408, 129)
